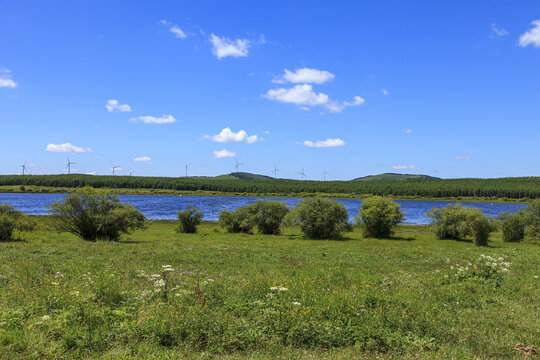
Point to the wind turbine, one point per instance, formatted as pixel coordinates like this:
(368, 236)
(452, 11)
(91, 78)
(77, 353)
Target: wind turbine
(325, 173)
(114, 167)
(302, 174)
(187, 165)
(237, 164)
(69, 163)
(23, 166)
(275, 171)
(131, 172)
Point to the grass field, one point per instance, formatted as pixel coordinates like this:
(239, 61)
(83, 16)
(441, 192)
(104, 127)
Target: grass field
(157, 294)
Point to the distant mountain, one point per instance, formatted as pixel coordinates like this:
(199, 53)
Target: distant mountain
(243, 176)
(395, 177)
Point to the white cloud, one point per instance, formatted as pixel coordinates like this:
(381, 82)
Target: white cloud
(324, 143)
(165, 119)
(406, 131)
(499, 32)
(67, 147)
(358, 100)
(304, 96)
(114, 106)
(384, 92)
(404, 167)
(299, 95)
(90, 173)
(178, 32)
(145, 159)
(531, 37)
(5, 79)
(462, 157)
(305, 76)
(223, 154)
(228, 136)
(223, 46)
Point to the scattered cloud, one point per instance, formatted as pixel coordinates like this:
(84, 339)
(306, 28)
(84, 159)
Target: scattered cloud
(223, 46)
(304, 96)
(5, 79)
(165, 119)
(228, 136)
(67, 147)
(358, 100)
(406, 131)
(497, 31)
(324, 143)
(532, 36)
(223, 154)
(144, 159)
(179, 33)
(115, 106)
(384, 92)
(404, 167)
(462, 157)
(90, 173)
(305, 76)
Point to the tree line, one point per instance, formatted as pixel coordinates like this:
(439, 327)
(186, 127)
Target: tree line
(513, 188)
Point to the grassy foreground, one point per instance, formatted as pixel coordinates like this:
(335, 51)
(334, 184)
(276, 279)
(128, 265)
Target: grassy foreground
(160, 295)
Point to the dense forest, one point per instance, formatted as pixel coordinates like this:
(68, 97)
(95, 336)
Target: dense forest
(513, 188)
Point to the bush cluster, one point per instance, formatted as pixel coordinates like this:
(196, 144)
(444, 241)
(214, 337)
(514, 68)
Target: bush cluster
(458, 222)
(266, 215)
(321, 218)
(12, 220)
(378, 215)
(94, 215)
(188, 220)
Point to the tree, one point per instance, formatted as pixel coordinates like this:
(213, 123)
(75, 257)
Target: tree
(532, 212)
(378, 215)
(321, 218)
(513, 226)
(237, 221)
(189, 219)
(12, 220)
(96, 215)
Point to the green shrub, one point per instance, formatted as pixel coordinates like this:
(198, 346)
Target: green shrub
(237, 221)
(188, 220)
(268, 215)
(378, 215)
(94, 215)
(532, 213)
(12, 220)
(321, 218)
(457, 222)
(513, 227)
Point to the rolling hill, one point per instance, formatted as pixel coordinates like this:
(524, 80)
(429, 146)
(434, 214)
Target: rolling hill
(243, 176)
(395, 177)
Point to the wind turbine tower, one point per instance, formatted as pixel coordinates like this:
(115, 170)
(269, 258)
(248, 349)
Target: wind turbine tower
(301, 173)
(237, 164)
(187, 165)
(275, 171)
(114, 168)
(69, 163)
(324, 174)
(23, 166)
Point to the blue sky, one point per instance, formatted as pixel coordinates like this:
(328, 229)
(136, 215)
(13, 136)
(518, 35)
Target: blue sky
(449, 89)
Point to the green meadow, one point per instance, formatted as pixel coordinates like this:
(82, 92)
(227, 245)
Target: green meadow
(161, 295)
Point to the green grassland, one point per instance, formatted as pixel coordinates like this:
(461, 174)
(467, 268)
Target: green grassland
(254, 296)
(396, 177)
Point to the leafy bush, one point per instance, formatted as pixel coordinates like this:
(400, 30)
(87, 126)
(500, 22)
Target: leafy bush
(513, 226)
(378, 215)
(268, 215)
(457, 222)
(532, 213)
(237, 221)
(189, 219)
(94, 215)
(321, 218)
(12, 220)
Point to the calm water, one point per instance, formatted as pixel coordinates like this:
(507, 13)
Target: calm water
(167, 207)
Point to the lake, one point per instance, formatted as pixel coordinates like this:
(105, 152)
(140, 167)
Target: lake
(167, 207)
